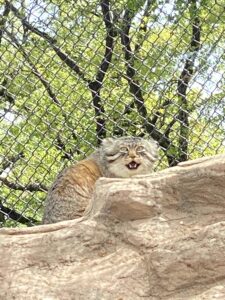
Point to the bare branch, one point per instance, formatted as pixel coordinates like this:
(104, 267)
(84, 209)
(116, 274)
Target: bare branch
(182, 85)
(134, 85)
(14, 215)
(3, 19)
(95, 86)
(143, 27)
(69, 62)
(109, 41)
(9, 161)
(52, 42)
(34, 69)
(158, 113)
(33, 187)
(4, 93)
(27, 25)
(131, 72)
(61, 145)
(44, 81)
(170, 125)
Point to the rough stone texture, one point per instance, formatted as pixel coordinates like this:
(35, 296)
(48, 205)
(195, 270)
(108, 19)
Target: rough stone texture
(151, 237)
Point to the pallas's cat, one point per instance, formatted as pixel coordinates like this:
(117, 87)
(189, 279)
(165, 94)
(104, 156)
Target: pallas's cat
(117, 157)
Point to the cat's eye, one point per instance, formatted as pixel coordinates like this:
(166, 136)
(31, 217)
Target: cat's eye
(123, 149)
(140, 149)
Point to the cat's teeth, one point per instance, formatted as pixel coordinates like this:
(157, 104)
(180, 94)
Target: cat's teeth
(133, 165)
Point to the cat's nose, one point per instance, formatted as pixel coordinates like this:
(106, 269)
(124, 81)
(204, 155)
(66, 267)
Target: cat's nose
(132, 154)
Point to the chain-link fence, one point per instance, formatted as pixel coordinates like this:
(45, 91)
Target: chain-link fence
(74, 72)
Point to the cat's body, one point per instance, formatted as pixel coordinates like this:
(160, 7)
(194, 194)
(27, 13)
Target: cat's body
(73, 188)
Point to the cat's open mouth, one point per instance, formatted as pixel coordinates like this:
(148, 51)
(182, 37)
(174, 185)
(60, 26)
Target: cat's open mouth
(133, 165)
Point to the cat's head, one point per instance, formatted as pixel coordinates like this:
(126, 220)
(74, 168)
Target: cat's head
(129, 156)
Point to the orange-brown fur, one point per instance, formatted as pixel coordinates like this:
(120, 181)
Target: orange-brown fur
(80, 179)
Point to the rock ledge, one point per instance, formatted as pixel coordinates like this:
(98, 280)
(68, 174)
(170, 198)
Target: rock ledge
(160, 236)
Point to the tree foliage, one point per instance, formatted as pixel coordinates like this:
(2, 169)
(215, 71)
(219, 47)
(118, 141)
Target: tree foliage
(73, 73)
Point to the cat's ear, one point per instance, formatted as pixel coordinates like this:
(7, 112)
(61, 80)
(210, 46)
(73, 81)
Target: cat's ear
(108, 145)
(155, 142)
(153, 147)
(108, 141)
(152, 142)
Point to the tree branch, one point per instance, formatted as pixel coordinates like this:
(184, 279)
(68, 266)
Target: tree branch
(158, 113)
(70, 62)
(52, 42)
(131, 72)
(169, 126)
(135, 90)
(109, 41)
(14, 215)
(3, 19)
(4, 93)
(61, 145)
(182, 86)
(35, 70)
(9, 161)
(33, 187)
(44, 81)
(143, 27)
(96, 85)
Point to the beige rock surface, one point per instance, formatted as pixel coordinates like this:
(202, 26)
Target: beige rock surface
(151, 237)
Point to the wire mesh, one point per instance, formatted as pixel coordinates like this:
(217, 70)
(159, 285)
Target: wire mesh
(74, 72)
